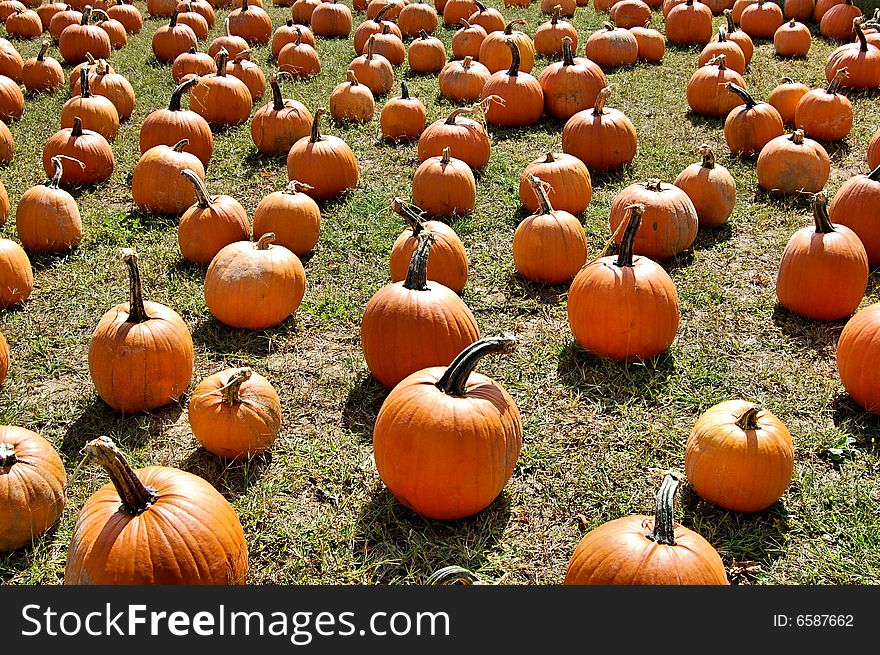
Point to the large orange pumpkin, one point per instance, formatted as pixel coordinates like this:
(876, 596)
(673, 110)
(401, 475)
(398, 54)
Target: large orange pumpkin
(444, 186)
(88, 147)
(156, 183)
(520, 97)
(47, 218)
(211, 224)
(571, 85)
(156, 525)
(711, 188)
(689, 23)
(469, 435)
(861, 60)
(792, 164)
(170, 126)
(855, 206)
(324, 162)
(16, 274)
(141, 352)
(603, 138)
(825, 114)
(464, 136)
(292, 215)
(280, 123)
(749, 127)
(566, 179)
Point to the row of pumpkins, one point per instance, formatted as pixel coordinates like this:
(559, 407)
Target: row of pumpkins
(434, 397)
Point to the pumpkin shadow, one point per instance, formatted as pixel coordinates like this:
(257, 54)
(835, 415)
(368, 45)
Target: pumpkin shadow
(757, 537)
(681, 260)
(610, 380)
(709, 237)
(217, 337)
(21, 559)
(838, 151)
(230, 477)
(618, 177)
(394, 543)
(256, 160)
(41, 261)
(810, 334)
(126, 430)
(362, 406)
(855, 420)
(546, 294)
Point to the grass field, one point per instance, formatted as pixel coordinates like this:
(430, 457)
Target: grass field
(597, 433)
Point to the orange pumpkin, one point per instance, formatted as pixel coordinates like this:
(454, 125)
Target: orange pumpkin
(352, 101)
(426, 54)
(733, 54)
(465, 136)
(373, 69)
(711, 188)
(7, 144)
(221, 99)
(761, 20)
(707, 92)
(16, 274)
(571, 85)
(248, 72)
(689, 23)
(11, 99)
(157, 186)
(520, 97)
(785, 97)
(749, 127)
(289, 33)
(792, 39)
(96, 112)
(42, 73)
(743, 40)
(444, 186)
(210, 224)
(324, 162)
(858, 357)
(612, 46)
(169, 126)
(292, 216)
(298, 58)
(825, 114)
(792, 164)
(874, 150)
(232, 43)
(77, 39)
(861, 60)
(837, 22)
(372, 26)
(192, 64)
(416, 17)
(404, 117)
(88, 147)
(47, 218)
(103, 81)
(603, 138)
(855, 206)
(549, 36)
(467, 40)
(652, 43)
(253, 24)
(461, 81)
(280, 123)
(496, 55)
(126, 13)
(566, 180)
(173, 39)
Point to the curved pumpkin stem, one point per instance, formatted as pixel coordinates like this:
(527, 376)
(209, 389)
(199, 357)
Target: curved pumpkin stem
(382, 12)
(417, 275)
(86, 15)
(295, 186)
(137, 313)
(480, 6)
(834, 84)
(731, 26)
(628, 240)
(135, 496)
(180, 145)
(265, 241)
(742, 93)
(410, 213)
(860, 34)
(720, 60)
(77, 129)
(223, 56)
(244, 55)
(454, 379)
(821, 219)
(44, 48)
(664, 523)
(601, 99)
(508, 29)
(173, 21)
(351, 77)
(277, 98)
(540, 189)
(722, 33)
(787, 80)
(464, 23)
(55, 180)
(316, 125)
(204, 199)
(7, 456)
(370, 45)
(708, 156)
(177, 95)
(567, 54)
(232, 389)
(452, 575)
(424, 35)
(748, 420)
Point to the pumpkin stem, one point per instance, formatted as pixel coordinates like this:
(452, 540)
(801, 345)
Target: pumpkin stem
(299, 36)
(86, 14)
(748, 420)
(84, 90)
(404, 91)
(455, 378)
(540, 190)
(787, 80)
(99, 13)
(137, 313)
(708, 156)
(265, 241)
(232, 389)
(316, 125)
(44, 48)
(731, 26)
(797, 137)
(452, 575)
(277, 98)
(77, 129)
(135, 496)
(370, 44)
(204, 200)
(508, 29)
(226, 27)
(480, 6)
(627, 242)
(7, 455)
(295, 186)
(834, 84)
(417, 275)
(410, 213)
(90, 58)
(177, 96)
(467, 62)
(664, 525)
(653, 184)
(557, 12)
(608, 25)
(180, 145)
(567, 54)
(173, 21)
(599, 107)
(722, 33)
(863, 41)
(382, 12)
(243, 55)
(55, 180)
(550, 158)
(820, 214)
(445, 157)
(742, 93)
(874, 175)
(424, 35)
(221, 64)
(102, 67)
(463, 22)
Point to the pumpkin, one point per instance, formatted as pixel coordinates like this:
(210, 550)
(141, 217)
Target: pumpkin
(351, 101)
(461, 81)
(47, 218)
(47, 10)
(689, 23)
(427, 323)
(253, 24)
(156, 183)
(373, 26)
(141, 353)
(837, 22)
(299, 59)
(403, 117)
(11, 63)
(822, 6)
(292, 216)
(254, 286)
(611, 47)
(645, 550)
(32, 481)
(235, 414)
(549, 246)
(785, 97)
(78, 39)
(571, 85)
(249, 73)
(115, 30)
(455, 10)
(90, 64)
(496, 55)
(549, 35)
(749, 127)
(42, 73)
(467, 40)
(629, 13)
(116, 88)
(718, 6)
(465, 136)
(161, 8)
(624, 307)
(7, 144)
(373, 69)
(173, 39)
(447, 262)
(739, 456)
(824, 269)
(324, 162)
(855, 207)
(426, 54)
(711, 188)
(196, 22)
(792, 40)
(733, 54)
(88, 147)
(331, 19)
(652, 43)
(799, 10)
(280, 123)
(221, 99)
(444, 186)
(96, 112)
(566, 181)
(4, 367)
(390, 46)
(62, 19)
(416, 17)
(210, 224)
(489, 18)
(521, 99)
(156, 525)
(743, 40)
(792, 164)
(24, 24)
(857, 357)
(16, 274)
(11, 99)
(192, 64)
(289, 33)
(707, 92)
(169, 126)
(232, 43)
(394, 7)
(825, 114)
(861, 60)
(301, 10)
(603, 138)
(761, 20)
(201, 7)
(469, 437)
(874, 150)
(126, 13)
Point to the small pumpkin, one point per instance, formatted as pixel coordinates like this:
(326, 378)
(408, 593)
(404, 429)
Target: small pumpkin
(467, 40)
(126, 13)
(42, 73)
(24, 24)
(416, 17)
(571, 85)
(855, 206)
(792, 39)
(566, 181)
(462, 135)
(792, 164)
(444, 186)
(733, 54)
(299, 59)
(210, 224)
(785, 97)
(289, 33)
(603, 138)
(87, 146)
(232, 43)
(743, 40)
(170, 126)
(520, 97)
(390, 46)
(707, 92)
(711, 188)
(749, 127)
(825, 114)
(352, 101)
(373, 69)
(761, 19)
(221, 99)
(800, 10)
(115, 30)
(248, 72)
(173, 39)
(497, 56)
(157, 186)
(16, 274)
(630, 13)
(47, 218)
(689, 23)
(612, 47)
(201, 7)
(324, 162)
(549, 35)
(113, 86)
(253, 24)
(455, 10)
(195, 21)
(95, 112)
(403, 117)
(372, 26)
(426, 54)
(292, 215)
(62, 19)
(652, 43)
(463, 81)
(192, 64)
(280, 123)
